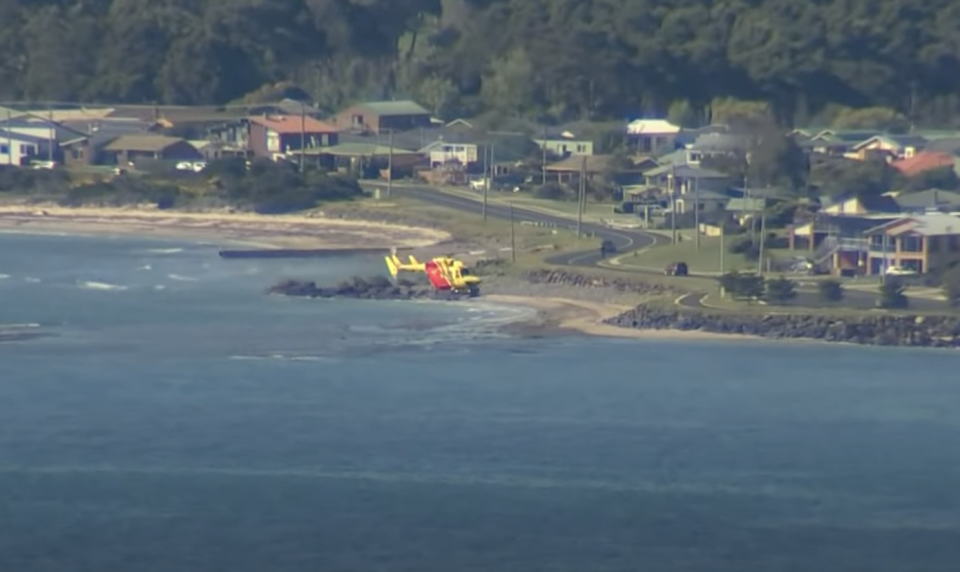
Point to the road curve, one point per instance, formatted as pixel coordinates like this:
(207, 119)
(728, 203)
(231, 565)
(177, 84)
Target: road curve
(623, 239)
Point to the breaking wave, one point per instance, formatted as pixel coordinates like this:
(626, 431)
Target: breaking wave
(164, 250)
(180, 278)
(90, 285)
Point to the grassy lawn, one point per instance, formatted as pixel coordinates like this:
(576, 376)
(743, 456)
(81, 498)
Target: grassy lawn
(705, 260)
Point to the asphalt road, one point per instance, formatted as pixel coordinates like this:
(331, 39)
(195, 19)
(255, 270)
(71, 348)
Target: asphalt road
(624, 240)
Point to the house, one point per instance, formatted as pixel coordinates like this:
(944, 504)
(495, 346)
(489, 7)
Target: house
(127, 149)
(593, 166)
(17, 149)
(948, 145)
(930, 200)
(925, 161)
(890, 147)
(86, 150)
(382, 116)
(564, 144)
(836, 242)
(214, 150)
(359, 158)
(922, 243)
(442, 152)
(652, 135)
(714, 144)
(837, 143)
(274, 136)
(852, 205)
(686, 177)
(708, 201)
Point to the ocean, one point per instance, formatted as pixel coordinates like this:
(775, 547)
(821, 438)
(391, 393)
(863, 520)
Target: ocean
(175, 418)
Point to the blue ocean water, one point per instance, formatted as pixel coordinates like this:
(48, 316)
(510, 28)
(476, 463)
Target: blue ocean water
(179, 420)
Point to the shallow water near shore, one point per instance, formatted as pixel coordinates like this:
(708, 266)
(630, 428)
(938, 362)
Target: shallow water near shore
(175, 418)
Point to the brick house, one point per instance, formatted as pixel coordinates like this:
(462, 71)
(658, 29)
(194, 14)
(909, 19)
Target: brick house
(380, 116)
(273, 136)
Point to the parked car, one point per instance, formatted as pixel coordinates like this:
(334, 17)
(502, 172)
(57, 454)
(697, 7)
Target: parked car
(676, 269)
(607, 247)
(900, 271)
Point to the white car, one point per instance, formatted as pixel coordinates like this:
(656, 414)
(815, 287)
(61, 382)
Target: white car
(900, 271)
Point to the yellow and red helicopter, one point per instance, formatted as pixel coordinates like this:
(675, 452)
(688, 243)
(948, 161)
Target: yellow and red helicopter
(445, 273)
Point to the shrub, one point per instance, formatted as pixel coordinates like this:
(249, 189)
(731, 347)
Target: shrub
(781, 290)
(830, 291)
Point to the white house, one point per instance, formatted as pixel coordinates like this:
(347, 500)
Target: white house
(442, 152)
(565, 144)
(17, 149)
(652, 135)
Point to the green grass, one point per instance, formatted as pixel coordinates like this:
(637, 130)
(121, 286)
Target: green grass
(705, 260)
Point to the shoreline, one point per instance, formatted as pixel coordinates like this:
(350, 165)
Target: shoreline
(234, 228)
(557, 315)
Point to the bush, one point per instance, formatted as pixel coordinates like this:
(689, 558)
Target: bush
(830, 291)
(551, 191)
(892, 294)
(749, 286)
(780, 290)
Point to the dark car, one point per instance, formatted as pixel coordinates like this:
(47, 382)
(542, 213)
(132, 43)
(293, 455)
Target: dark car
(607, 247)
(676, 269)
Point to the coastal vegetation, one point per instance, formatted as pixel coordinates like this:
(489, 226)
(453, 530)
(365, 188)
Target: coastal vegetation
(849, 63)
(265, 187)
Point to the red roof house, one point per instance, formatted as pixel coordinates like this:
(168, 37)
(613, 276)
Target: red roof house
(274, 135)
(924, 161)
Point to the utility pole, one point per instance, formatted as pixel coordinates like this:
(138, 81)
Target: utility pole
(543, 163)
(513, 237)
(303, 136)
(488, 179)
(50, 133)
(696, 211)
(673, 203)
(723, 228)
(9, 137)
(390, 167)
(583, 192)
(763, 230)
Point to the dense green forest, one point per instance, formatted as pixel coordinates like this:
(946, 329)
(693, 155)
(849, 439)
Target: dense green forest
(562, 59)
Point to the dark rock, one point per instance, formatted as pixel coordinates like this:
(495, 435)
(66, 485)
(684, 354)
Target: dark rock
(914, 331)
(565, 278)
(375, 288)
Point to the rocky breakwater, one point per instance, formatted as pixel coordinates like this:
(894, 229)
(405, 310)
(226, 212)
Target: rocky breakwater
(376, 288)
(882, 330)
(565, 278)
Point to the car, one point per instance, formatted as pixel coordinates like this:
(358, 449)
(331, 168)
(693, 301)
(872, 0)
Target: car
(900, 271)
(676, 269)
(607, 247)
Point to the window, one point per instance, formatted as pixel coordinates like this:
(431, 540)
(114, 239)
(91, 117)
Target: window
(911, 244)
(581, 148)
(4, 150)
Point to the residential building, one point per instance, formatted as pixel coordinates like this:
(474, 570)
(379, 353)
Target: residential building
(836, 142)
(853, 205)
(718, 144)
(889, 147)
(926, 161)
(127, 149)
(922, 243)
(382, 116)
(274, 136)
(687, 177)
(836, 242)
(652, 136)
(568, 170)
(929, 201)
(17, 149)
(564, 144)
(442, 152)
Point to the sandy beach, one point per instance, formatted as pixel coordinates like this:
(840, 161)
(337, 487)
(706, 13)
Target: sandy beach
(587, 317)
(265, 231)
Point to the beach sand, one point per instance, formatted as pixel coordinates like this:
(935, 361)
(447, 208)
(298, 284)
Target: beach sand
(554, 314)
(566, 314)
(252, 230)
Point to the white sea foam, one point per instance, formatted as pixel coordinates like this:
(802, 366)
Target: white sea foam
(165, 250)
(19, 326)
(179, 278)
(4, 276)
(91, 285)
(32, 280)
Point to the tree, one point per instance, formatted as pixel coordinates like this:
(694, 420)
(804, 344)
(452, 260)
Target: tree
(830, 291)
(951, 286)
(748, 286)
(780, 290)
(892, 294)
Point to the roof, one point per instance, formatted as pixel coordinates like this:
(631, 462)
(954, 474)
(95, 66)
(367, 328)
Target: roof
(8, 135)
(721, 142)
(652, 127)
(594, 164)
(924, 161)
(388, 108)
(706, 195)
(684, 171)
(60, 132)
(928, 199)
(873, 204)
(902, 141)
(746, 205)
(359, 150)
(146, 142)
(292, 124)
(71, 114)
(944, 145)
(839, 138)
(926, 225)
